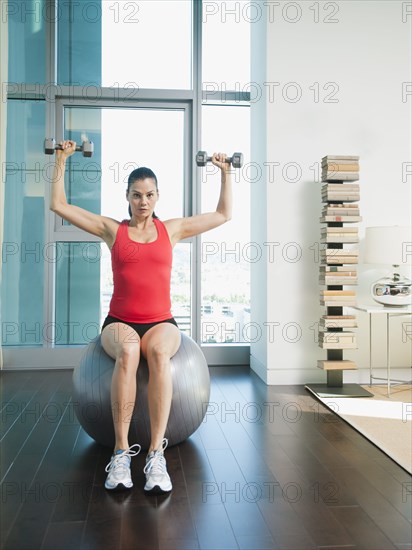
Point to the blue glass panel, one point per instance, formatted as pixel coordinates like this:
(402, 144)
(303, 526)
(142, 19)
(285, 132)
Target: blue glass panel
(25, 135)
(83, 174)
(24, 248)
(77, 311)
(83, 189)
(23, 257)
(27, 40)
(79, 43)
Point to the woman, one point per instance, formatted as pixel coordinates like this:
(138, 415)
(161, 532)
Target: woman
(139, 319)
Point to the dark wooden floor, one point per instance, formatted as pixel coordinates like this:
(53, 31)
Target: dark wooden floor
(269, 468)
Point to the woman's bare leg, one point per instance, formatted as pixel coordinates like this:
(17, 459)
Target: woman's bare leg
(158, 345)
(122, 343)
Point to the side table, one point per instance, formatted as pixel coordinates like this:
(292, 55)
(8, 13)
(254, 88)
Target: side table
(389, 311)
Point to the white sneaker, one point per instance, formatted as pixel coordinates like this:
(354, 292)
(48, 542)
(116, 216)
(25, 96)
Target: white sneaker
(119, 469)
(157, 478)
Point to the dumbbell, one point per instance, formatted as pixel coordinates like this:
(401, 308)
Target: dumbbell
(236, 160)
(86, 148)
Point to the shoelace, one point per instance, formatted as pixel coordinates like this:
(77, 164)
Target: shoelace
(157, 463)
(116, 462)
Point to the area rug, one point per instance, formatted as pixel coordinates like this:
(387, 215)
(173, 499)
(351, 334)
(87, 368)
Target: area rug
(386, 421)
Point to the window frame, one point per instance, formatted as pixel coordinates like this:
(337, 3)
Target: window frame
(69, 232)
(58, 232)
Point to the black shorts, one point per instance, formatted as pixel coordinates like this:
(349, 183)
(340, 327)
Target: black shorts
(140, 328)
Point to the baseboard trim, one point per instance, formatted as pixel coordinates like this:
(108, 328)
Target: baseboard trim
(259, 368)
(293, 376)
(41, 359)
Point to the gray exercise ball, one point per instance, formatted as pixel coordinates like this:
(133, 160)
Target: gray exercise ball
(191, 391)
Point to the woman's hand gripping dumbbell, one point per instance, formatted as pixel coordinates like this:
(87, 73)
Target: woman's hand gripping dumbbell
(86, 148)
(236, 160)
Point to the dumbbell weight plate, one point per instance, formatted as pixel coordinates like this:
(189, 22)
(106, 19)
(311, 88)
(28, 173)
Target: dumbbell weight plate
(201, 158)
(87, 148)
(49, 145)
(237, 160)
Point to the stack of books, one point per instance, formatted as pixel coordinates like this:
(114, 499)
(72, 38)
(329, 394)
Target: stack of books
(339, 235)
(340, 168)
(344, 364)
(340, 209)
(337, 321)
(339, 256)
(337, 340)
(340, 212)
(340, 196)
(347, 217)
(340, 192)
(335, 298)
(338, 275)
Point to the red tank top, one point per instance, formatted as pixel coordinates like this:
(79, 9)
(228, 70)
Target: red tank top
(141, 276)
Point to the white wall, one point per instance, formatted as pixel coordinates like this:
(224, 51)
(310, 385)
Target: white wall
(363, 57)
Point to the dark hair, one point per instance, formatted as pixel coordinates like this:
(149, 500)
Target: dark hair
(140, 174)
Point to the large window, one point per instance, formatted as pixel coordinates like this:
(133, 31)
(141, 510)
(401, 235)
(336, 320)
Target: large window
(226, 251)
(127, 76)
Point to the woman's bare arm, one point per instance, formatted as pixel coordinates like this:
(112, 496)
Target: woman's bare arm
(95, 224)
(183, 228)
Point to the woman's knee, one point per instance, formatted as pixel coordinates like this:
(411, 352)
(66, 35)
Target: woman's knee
(158, 359)
(158, 352)
(122, 343)
(128, 357)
